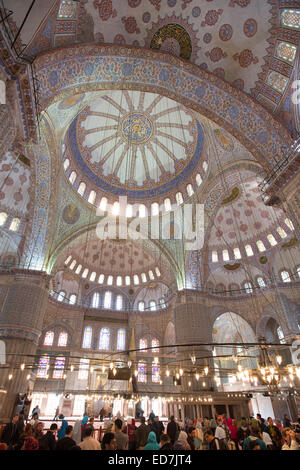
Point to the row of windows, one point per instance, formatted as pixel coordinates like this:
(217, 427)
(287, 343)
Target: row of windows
(248, 248)
(104, 339)
(142, 372)
(44, 365)
(61, 342)
(14, 225)
(110, 280)
(152, 305)
(139, 210)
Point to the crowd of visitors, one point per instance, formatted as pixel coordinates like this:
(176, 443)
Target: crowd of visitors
(219, 433)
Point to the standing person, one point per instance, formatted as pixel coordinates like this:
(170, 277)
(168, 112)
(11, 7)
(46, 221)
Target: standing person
(89, 443)
(91, 423)
(83, 424)
(286, 421)
(213, 442)
(220, 434)
(289, 438)
(36, 410)
(38, 430)
(131, 433)
(212, 424)
(48, 441)
(28, 431)
(141, 434)
(76, 435)
(198, 436)
(159, 428)
(34, 420)
(62, 430)
(275, 434)
(182, 443)
(152, 442)
(173, 430)
(152, 416)
(109, 441)
(191, 436)
(10, 434)
(66, 442)
(261, 422)
(121, 438)
(56, 414)
(233, 430)
(242, 434)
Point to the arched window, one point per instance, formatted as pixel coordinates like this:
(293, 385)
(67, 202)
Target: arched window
(249, 250)
(127, 280)
(261, 247)
(162, 303)
(119, 280)
(136, 280)
(87, 337)
(49, 337)
(285, 276)
(107, 299)
(72, 300)
(261, 282)
(78, 269)
(73, 177)
(142, 372)
(289, 224)
(281, 232)
(154, 208)
(144, 277)
(81, 188)
(157, 272)
(93, 276)
(167, 204)
(92, 197)
(141, 306)
(101, 279)
(83, 372)
(15, 223)
(142, 210)
(95, 300)
(63, 339)
(237, 253)
(85, 273)
(59, 366)
(151, 275)
(189, 190)
(61, 296)
(280, 335)
(155, 372)
(116, 208)
(103, 204)
(214, 256)
(43, 367)
(119, 302)
(104, 338)
(152, 305)
(205, 166)
(298, 271)
(3, 217)
(143, 343)
(225, 255)
(68, 260)
(271, 239)
(129, 210)
(66, 164)
(73, 264)
(121, 340)
(179, 198)
(198, 179)
(155, 345)
(110, 280)
(248, 287)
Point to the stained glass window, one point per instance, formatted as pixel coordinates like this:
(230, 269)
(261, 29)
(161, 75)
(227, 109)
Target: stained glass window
(168, 205)
(261, 282)
(286, 51)
(249, 250)
(162, 303)
(87, 337)
(136, 280)
(107, 299)
(179, 199)
(119, 280)
(14, 225)
(189, 190)
(49, 337)
(144, 277)
(3, 217)
(291, 18)
(72, 177)
(63, 339)
(66, 163)
(237, 253)
(157, 272)
(155, 345)
(121, 340)
(78, 269)
(61, 296)
(248, 287)
(92, 197)
(285, 276)
(154, 208)
(43, 367)
(59, 366)
(104, 338)
(151, 275)
(271, 240)
(225, 255)
(72, 300)
(152, 305)
(83, 372)
(68, 258)
(281, 232)
(141, 306)
(198, 179)
(101, 279)
(214, 256)
(143, 343)
(103, 204)
(298, 271)
(289, 224)
(142, 372)
(73, 264)
(155, 372)
(142, 210)
(205, 166)
(127, 280)
(95, 300)
(280, 335)
(110, 281)
(67, 9)
(93, 276)
(261, 247)
(277, 81)
(85, 273)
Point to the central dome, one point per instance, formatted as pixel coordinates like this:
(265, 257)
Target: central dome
(135, 143)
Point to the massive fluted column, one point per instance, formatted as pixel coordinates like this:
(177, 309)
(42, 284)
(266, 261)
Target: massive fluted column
(23, 299)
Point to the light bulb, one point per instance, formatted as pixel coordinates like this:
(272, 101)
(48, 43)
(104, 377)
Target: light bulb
(180, 371)
(197, 376)
(22, 366)
(103, 369)
(167, 372)
(136, 373)
(111, 365)
(190, 383)
(279, 359)
(205, 370)
(129, 363)
(10, 376)
(177, 376)
(72, 368)
(28, 377)
(114, 371)
(203, 383)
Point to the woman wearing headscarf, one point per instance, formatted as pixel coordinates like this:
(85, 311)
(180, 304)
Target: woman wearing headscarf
(199, 436)
(182, 443)
(76, 436)
(152, 442)
(62, 430)
(83, 424)
(233, 430)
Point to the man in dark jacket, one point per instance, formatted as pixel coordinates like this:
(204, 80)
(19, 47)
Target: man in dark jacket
(11, 433)
(165, 442)
(275, 434)
(48, 441)
(159, 428)
(190, 439)
(172, 430)
(66, 443)
(141, 434)
(213, 443)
